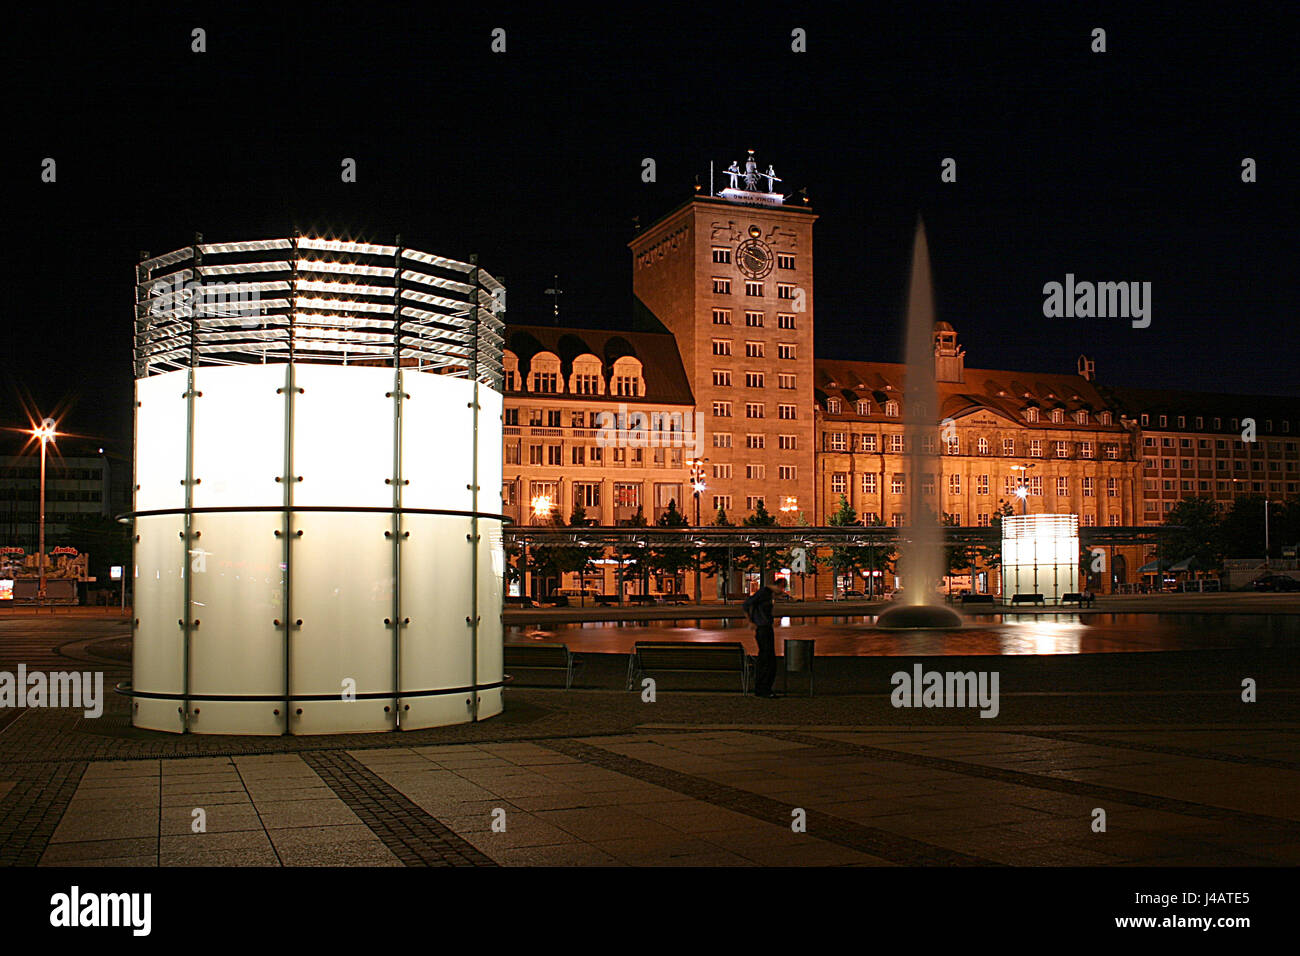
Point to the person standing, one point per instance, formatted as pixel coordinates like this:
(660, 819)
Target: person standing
(758, 608)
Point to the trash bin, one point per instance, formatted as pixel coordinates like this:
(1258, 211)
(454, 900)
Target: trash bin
(798, 659)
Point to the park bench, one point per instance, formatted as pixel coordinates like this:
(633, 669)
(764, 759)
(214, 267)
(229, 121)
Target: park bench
(977, 599)
(1074, 597)
(687, 656)
(1028, 599)
(550, 657)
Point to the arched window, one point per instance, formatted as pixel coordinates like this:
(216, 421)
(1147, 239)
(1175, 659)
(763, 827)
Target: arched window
(1031, 415)
(628, 381)
(983, 446)
(1058, 416)
(586, 378)
(864, 408)
(544, 373)
(510, 368)
(833, 406)
(891, 409)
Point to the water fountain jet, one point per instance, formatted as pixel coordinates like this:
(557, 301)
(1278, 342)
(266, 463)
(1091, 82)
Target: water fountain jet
(920, 561)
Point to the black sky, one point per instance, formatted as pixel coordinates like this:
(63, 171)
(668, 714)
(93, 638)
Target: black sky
(1118, 166)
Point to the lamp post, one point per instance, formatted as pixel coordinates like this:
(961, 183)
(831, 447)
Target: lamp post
(46, 433)
(1023, 491)
(1266, 534)
(541, 506)
(697, 487)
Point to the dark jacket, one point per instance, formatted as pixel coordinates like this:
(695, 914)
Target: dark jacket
(758, 607)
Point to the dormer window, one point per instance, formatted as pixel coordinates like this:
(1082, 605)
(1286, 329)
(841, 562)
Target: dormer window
(833, 406)
(1058, 416)
(1031, 414)
(627, 381)
(891, 409)
(1104, 418)
(1081, 416)
(544, 373)
(586, 378)
(864, 408)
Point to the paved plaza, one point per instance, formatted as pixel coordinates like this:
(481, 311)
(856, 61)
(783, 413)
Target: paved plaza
(1186, 773)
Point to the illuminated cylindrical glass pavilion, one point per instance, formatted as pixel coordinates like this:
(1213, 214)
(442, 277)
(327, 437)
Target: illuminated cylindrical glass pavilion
(318, 541)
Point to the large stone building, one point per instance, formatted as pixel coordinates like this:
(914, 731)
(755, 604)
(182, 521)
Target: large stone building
(595, 419)
(1054, 434)
(731, 278)
(1193, 444)
(725, 373)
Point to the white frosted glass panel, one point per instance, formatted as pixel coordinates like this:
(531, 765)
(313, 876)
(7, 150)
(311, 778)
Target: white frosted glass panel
(489, 451)
(343, 436)
(490, 601)
(436, 575)
(239, 436)
(237, 717)
(237, 595)
(342, 583)
(157, 652)
(339, 716)
(421, 712)
(437, 443)
(160, 441)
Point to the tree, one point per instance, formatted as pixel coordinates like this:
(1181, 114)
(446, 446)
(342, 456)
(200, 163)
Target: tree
(637, 561)
(961, 556)
(879, 559)
(1197, 533)
(714, 560)
(844, 559)
(990, 555)
(672, 560)
(761, 559)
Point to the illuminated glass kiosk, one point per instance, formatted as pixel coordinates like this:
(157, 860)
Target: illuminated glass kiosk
(1040, 555)
(318, 432)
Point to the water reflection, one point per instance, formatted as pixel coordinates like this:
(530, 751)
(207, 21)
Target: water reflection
(993, 634)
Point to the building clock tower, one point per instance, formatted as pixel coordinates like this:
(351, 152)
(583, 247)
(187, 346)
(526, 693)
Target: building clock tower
(731, 276)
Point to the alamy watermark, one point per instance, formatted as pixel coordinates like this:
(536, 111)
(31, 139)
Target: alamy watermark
(84, 690)
(922, 688)
(637, 429)
(209, 300)
(1102, 300)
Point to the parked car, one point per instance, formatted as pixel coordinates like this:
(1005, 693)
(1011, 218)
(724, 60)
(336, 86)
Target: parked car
(1275, 582)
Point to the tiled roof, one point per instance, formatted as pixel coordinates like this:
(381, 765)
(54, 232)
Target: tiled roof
(1001, 391)
(661, 364)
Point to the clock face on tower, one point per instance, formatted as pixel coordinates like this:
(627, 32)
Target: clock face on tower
(754, 258)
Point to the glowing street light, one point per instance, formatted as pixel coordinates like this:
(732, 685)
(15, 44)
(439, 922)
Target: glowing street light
(46, 433)
(697, 487)
(1022, 492)
(543, 506)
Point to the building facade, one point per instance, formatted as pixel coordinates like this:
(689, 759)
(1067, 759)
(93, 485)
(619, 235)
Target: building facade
(598, 420)
(1054, 435)
(613, 421)
(1221, 447)
(731, 278)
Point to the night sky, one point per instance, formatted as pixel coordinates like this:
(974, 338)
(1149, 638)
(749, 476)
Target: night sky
(1122, 166)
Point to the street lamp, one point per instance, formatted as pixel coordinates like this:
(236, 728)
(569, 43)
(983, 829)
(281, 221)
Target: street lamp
(541, 507)
(1023, 491)
(47, 434)
(697, 488)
